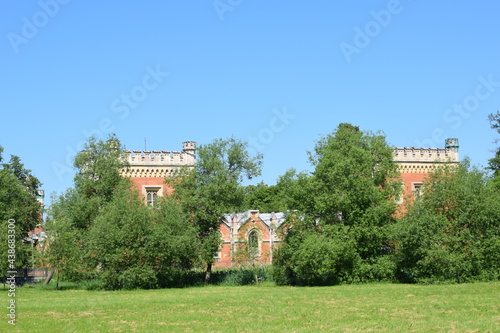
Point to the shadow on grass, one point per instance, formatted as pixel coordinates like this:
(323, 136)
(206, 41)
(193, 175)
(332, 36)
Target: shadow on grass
(180, 279)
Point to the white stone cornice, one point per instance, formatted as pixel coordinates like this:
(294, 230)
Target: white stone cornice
(435, 155)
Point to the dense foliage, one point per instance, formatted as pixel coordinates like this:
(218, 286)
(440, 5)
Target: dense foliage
(18, 203)
(339, 233)
(72, 214)
(102, 229)
(213, 188)
(138, 246)
(452, 233)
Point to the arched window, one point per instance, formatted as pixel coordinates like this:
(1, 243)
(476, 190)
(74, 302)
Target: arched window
(253, 244)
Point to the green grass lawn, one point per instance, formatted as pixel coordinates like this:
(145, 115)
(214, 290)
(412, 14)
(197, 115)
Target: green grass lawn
(348, 308)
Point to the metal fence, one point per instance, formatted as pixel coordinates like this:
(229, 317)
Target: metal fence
(28, 275)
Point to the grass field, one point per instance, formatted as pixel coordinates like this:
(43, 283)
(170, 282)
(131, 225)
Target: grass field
(348, 308)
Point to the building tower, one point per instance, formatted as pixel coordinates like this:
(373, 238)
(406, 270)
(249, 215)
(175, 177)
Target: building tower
(189, 147)
(452, 144)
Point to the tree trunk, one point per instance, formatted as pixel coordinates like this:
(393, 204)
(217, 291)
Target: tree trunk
(208, 273)
(49, 277)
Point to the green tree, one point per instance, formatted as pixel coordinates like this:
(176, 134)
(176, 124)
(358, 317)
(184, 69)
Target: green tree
(354, 173)
(452, 233)
(289, 193)
(297, 190)
(98, 174)
(265, 198)
(73, 213)
(136, 246)
(213, 188)
(352, 187)
(63, 254)
(18, 202)
(315, 256)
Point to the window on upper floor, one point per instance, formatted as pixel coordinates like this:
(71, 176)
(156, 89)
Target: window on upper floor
(417, 190)
(151, 196)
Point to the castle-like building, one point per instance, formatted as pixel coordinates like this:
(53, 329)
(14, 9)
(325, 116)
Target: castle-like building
(254, 232)
(415, 164)
(148, 169)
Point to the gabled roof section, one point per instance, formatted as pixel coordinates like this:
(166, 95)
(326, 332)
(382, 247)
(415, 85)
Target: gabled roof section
(268, 219)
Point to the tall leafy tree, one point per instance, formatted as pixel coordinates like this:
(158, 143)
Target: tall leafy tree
(354, 174)
(452, 233)
(213, 188)
(18, 202)
(98, 174)
(350, 193)
(74, 212)
(136, 246)
(63, 254)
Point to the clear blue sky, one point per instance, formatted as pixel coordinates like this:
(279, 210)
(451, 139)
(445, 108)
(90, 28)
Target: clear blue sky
(281, 72)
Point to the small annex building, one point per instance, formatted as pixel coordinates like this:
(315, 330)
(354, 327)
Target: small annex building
(248, 236)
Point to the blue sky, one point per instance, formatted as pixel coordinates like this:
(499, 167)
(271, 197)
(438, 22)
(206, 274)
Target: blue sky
(279, 74)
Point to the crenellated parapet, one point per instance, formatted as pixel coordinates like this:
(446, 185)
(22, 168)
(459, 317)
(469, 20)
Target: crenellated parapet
(425, 160)
(412, 154)
(159, 163)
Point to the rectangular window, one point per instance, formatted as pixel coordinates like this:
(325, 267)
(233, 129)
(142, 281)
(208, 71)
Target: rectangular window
(417, 190)
(151, 195)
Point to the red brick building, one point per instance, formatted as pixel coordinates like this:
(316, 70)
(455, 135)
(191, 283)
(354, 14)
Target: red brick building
(252, 236)
(415, 164)
(148, 169)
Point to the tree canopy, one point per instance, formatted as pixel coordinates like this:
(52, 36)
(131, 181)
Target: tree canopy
(18, 190)
(452, 232)
(213, 188)
(349, 199)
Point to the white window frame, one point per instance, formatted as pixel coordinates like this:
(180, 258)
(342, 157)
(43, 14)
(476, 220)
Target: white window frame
(152, 188)
(259, 242)
(417, 189)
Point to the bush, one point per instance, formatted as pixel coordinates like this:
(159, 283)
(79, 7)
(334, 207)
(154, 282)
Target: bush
(317, 258)
(380, 269)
